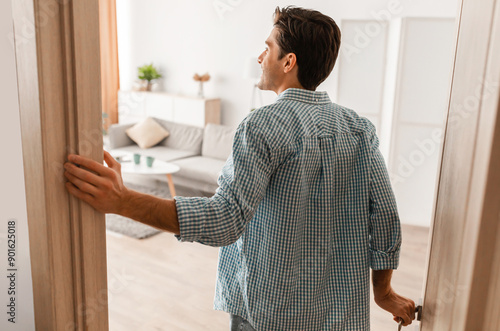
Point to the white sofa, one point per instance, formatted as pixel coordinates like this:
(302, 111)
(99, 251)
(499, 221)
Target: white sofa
(199, 152)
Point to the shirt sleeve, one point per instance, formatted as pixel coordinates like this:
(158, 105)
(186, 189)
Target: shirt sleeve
(385, 226)
(221, 219)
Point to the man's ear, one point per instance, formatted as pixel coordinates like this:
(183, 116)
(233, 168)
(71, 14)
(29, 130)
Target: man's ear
(290, 62)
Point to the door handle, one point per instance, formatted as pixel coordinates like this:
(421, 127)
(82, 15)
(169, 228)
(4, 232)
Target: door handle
(418, 312)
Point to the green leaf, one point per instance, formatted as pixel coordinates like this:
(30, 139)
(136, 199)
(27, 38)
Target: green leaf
(148, 72)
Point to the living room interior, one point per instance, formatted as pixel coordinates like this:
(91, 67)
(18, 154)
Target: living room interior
(395, 68)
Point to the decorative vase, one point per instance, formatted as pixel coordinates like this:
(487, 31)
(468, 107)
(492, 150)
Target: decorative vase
(201, 80)
(200, 90)
(149, 86)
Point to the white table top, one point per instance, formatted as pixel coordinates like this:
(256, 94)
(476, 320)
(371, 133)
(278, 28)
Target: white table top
(159, 167)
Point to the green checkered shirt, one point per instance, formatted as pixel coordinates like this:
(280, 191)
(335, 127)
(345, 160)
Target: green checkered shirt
(304, 208)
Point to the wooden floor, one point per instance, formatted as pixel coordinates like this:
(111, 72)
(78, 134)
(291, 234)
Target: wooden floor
(161, 284)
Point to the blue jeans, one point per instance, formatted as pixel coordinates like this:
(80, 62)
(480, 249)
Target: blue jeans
(237, 323)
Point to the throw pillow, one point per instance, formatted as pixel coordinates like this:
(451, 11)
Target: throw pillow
(147, 133)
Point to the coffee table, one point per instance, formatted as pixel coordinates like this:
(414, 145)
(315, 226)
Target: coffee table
(159, 168)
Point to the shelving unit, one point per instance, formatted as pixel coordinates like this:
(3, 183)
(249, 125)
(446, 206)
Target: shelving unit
(134, 106)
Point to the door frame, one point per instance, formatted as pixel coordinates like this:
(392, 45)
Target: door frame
(462, 284)
(57, 53)
(58, 66)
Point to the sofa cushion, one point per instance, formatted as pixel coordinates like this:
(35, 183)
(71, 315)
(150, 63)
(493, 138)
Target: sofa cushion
(184, 137)
(203, 169)
(147, 133)
(217, 141)
(158, 152)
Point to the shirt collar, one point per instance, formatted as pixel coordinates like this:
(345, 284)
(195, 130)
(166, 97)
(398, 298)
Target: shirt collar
(306, 96)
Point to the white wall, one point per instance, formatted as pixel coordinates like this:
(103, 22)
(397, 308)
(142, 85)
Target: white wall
(12, 192)
(185, 37)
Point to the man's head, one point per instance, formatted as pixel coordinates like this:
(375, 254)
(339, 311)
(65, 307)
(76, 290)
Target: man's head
(301, 50)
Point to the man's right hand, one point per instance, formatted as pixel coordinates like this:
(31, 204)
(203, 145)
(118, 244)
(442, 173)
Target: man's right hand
(400, 307)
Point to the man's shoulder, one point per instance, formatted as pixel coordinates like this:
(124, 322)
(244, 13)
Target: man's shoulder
(351, 121)
(264, 114)
(271, 122)
(266, 118)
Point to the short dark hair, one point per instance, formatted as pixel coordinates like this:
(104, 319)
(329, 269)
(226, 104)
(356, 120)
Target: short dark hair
(314, 38)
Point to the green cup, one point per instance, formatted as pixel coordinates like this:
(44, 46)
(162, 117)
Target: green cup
(149, 161)
(137, 158)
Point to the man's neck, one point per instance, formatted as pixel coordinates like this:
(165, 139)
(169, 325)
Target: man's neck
(285, 87)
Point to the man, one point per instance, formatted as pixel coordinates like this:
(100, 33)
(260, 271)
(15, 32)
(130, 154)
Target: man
(304, 206)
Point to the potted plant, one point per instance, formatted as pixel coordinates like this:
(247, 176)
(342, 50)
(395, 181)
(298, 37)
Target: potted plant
(148, 73)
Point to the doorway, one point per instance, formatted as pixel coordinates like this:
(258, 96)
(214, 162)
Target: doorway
(78, 272)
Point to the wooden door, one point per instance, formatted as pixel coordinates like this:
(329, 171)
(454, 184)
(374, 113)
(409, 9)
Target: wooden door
(462, 289)
(57, 55)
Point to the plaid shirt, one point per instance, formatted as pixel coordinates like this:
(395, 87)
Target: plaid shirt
(304, 208)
